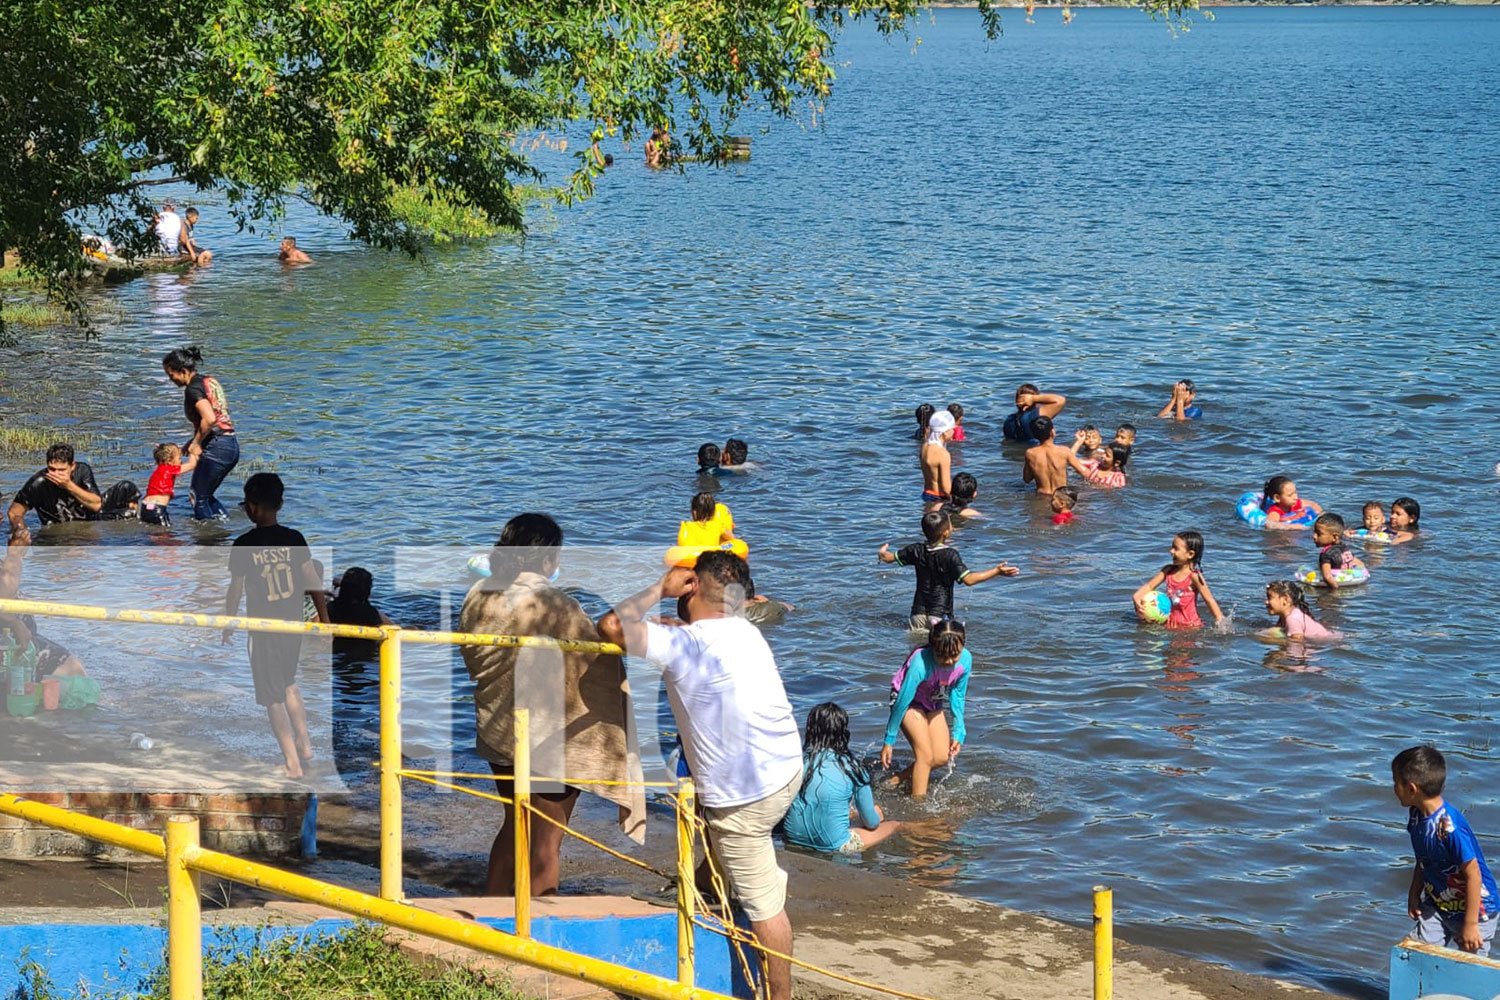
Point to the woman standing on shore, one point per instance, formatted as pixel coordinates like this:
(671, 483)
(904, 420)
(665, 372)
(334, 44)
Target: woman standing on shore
(213, 440)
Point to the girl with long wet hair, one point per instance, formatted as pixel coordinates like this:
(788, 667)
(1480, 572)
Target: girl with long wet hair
(835, 793)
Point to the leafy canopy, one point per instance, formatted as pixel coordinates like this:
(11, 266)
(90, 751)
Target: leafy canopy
(355, 104)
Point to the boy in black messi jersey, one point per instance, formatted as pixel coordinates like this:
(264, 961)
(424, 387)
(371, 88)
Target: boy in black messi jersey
(271, 567)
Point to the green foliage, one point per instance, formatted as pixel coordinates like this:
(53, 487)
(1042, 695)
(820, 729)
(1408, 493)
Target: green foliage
(355, 965)
(353, 104)
(440, 218)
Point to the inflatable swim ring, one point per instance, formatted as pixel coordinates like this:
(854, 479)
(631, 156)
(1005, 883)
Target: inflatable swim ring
(1155, 608)
(1366, 535)
(687, 555)
(479, 565)
(1248, 509)
(1350, 577)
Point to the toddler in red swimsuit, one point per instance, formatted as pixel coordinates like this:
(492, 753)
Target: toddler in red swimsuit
(169, 465)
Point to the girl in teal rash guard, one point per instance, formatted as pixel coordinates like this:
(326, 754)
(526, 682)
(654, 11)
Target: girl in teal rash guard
(933, 677)
(835, 791)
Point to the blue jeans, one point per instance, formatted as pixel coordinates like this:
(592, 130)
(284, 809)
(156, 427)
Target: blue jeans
(220, 454)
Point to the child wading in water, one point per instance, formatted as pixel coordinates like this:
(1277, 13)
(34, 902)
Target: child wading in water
(1285, 600)
(1108, 469)
(939, 567)
(1185, 583)
(163, 483)
(934, 677)
(835, 791)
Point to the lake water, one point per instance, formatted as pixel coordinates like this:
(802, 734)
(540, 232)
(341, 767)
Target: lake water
(1295, 208)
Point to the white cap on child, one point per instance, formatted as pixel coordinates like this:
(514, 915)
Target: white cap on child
(938, 424)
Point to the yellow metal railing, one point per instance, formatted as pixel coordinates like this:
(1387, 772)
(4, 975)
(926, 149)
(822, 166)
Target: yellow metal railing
(185, 858)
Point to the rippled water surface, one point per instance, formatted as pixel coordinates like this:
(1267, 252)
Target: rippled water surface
(1295, 208)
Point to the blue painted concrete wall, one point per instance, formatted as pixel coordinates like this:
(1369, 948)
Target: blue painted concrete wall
(1444, 974)
(647, 944)
(120, 958)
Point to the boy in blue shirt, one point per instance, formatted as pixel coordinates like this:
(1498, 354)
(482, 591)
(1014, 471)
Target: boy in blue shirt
(1452, 897)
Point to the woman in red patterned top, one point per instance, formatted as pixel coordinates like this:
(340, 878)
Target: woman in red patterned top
(213, 441)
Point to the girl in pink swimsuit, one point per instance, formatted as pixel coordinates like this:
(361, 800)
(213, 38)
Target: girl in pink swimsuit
(1284, 600)
(1184, 583)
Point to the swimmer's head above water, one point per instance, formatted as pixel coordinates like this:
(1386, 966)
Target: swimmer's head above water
(1065, 498)
(708, 455)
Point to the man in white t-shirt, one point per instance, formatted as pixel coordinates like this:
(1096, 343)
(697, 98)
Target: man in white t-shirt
(169, 228)
(738, 732)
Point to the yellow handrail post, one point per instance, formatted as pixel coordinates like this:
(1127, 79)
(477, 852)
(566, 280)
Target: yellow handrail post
(685, 798)
(184, 919)
(1104, 943)
(390, 765)
(523, 823)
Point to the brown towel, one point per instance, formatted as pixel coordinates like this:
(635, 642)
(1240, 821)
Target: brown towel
(586, 730)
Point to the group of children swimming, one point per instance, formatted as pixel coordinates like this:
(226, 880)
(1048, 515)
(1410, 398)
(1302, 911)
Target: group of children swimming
(835, 811)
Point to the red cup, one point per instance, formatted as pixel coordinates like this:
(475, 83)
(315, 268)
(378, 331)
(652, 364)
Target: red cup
(50, 691)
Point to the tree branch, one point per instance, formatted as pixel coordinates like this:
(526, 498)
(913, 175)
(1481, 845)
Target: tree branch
(150, 183)
(149, 162)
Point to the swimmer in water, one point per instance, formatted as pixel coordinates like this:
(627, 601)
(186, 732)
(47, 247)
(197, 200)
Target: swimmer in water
(958, 422)
(1181, 406)
(1185, 584)
(1405, 515)
(1047, 462)
(711, 525)
(708, 458)
(924, 414)
(934, 677)
(1087, 441)
(1373, 518)
(1063, 502)
(1333, 554)
(735, 457)
(1284, 508)
(1125, 437)
(937, 463)
(960, 503)
(1286, 601)
(1108, 469)
(289, 254)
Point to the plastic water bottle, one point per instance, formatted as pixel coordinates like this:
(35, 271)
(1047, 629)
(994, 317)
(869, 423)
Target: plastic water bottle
(15, 670)
(140, 741)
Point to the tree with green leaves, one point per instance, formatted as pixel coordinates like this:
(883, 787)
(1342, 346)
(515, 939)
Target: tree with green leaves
(352, 105)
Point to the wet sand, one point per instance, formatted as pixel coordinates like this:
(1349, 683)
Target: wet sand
(853, 922)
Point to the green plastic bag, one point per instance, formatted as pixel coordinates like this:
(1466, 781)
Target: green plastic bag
(77, 692)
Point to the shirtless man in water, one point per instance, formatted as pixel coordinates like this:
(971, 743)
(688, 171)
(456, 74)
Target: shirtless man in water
(937, 464)
(1047, 463)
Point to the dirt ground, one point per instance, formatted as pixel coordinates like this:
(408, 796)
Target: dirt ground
(861, 924)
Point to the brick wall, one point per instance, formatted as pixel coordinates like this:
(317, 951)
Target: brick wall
(241, 824)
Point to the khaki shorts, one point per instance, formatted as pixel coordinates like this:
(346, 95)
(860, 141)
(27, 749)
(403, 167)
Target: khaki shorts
(741, 839)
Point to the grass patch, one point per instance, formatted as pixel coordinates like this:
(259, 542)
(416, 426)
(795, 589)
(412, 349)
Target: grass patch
(33, 314)
(21, 442)
(357, 965)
